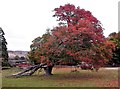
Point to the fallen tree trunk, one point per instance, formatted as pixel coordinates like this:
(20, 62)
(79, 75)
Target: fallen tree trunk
(29, 71)
(35, 69)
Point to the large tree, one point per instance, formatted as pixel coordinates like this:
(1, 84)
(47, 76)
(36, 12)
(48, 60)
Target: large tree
(3, 48)
(80, 38)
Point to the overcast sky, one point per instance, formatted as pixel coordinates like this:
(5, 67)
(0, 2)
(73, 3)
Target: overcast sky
(24, 20)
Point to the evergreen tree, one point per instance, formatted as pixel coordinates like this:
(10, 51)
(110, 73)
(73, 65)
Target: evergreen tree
(3, 48)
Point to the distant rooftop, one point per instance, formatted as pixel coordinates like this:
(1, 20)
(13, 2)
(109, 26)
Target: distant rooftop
(12, 54)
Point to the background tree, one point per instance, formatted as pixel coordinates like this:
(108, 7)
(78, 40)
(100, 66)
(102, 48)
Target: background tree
(115, 38)
(3, 48)
(16, 57)
(79, 39)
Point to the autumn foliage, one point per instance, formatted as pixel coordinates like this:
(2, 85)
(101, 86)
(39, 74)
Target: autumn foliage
(79, 37)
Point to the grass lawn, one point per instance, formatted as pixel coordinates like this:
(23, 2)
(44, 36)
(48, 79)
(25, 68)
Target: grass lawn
(0, 78)
(63, 77)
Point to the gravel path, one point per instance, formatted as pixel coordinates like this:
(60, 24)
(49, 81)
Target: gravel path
(112, 68)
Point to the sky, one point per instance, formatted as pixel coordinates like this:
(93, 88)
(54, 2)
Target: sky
(24, 20)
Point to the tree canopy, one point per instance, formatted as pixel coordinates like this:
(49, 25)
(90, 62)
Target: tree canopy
(79, 37)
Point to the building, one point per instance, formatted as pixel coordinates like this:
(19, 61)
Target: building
(17, 57)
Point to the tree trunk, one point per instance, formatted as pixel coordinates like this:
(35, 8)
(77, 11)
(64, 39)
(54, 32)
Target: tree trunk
(48, 70)
(32, 69)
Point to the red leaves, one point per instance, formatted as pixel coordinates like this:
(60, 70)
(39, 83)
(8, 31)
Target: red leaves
(82, 39)
(70, 53)
(69, 7)
(72, 15)
(66, 8)
(42, 59)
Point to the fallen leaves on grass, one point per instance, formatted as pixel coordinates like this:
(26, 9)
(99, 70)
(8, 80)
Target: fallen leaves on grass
(113, 83)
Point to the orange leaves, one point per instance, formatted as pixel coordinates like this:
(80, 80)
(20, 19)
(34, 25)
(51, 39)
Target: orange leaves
(110, 44)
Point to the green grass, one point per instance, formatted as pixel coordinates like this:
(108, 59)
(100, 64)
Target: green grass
(63, 77)
(0, 78)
